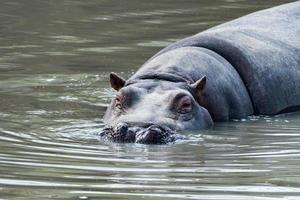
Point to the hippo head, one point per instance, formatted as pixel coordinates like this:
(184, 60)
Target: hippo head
(152, 111)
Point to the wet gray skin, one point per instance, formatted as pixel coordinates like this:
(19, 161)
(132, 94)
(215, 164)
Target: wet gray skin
(251, 64)
(153, 111)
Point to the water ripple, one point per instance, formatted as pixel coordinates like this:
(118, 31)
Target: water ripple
(54, 88)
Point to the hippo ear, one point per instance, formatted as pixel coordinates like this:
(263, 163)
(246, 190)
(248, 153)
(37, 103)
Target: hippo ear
(200, 84)
(116, 82)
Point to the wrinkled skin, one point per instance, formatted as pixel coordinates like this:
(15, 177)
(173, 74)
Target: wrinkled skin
(151, 112)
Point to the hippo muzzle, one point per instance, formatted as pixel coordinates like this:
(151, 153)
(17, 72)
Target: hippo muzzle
(144, 134)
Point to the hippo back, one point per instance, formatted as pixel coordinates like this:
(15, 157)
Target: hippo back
(264, 48)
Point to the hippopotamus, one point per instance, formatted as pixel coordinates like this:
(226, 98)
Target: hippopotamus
(248, 66)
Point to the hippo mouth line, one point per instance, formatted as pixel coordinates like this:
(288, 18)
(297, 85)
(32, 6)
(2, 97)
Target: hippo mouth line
(153, 134)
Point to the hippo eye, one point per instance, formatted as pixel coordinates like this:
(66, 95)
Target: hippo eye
(184, 105)
(118, 103)
(119, 106)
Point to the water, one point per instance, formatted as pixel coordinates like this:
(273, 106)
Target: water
(55, 57)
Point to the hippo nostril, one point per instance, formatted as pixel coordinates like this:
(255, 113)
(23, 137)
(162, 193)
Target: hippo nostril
(154, 134)
(119, 133)
(155, 129)
(121, 128)
(105, 132)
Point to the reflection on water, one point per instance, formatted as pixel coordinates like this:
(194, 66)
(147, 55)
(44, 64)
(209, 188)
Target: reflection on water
(54, 62)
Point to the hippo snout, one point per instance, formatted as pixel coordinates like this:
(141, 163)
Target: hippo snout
(144, 134)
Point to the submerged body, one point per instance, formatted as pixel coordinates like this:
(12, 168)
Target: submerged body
(247, 66)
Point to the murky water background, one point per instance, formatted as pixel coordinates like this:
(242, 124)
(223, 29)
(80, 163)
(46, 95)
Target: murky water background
(55, 57)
